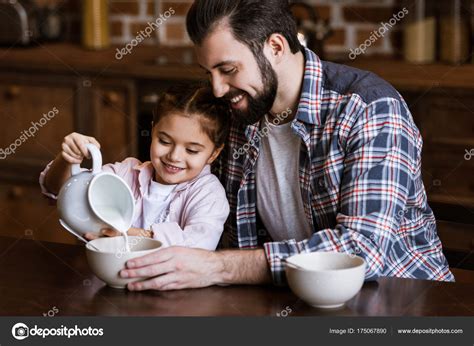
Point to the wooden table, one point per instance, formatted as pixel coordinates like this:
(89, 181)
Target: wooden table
(41, 278)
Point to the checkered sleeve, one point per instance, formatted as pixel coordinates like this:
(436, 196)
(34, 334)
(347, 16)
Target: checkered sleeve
(380, 153)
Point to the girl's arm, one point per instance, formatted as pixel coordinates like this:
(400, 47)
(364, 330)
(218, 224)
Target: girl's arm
(108, 232)
(59, 172)
(73, 152)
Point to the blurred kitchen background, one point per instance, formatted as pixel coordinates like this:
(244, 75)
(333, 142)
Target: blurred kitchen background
(102, 63)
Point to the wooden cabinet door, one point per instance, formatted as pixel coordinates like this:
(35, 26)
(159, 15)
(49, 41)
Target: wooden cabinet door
(113, 118)
(446, 122)
(36, 112)
(447, 127)
(25, 212)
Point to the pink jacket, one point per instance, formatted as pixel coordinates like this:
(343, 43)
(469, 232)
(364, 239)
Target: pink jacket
(198, 208)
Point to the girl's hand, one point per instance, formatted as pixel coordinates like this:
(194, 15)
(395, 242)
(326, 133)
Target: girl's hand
(74, 148)
(108, 232)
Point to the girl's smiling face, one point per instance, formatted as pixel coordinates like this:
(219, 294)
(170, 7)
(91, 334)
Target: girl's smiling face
(180, 149)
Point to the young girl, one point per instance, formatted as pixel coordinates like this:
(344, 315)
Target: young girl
(178, 200)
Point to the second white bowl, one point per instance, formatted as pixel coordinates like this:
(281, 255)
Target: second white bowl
(327, 280)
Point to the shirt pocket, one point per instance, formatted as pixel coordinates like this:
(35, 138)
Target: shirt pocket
(325, 197)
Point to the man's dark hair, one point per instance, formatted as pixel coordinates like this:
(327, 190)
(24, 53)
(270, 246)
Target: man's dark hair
(252, 22)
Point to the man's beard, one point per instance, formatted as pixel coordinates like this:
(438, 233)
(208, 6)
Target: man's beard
(263, 102)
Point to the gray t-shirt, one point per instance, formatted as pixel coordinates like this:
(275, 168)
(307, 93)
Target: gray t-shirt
(279, 200)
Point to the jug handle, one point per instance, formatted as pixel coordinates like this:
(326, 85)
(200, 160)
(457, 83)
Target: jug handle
(96, 161)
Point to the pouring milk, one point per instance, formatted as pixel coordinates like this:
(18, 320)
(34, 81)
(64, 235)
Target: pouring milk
(115, 219)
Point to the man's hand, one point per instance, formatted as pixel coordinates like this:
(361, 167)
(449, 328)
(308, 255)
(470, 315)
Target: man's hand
(178, 267)
(174, 268)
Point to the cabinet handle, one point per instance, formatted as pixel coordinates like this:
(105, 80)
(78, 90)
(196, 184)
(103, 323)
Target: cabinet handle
(111, 98)
(16, 192)
(150, 98)
(12, 92)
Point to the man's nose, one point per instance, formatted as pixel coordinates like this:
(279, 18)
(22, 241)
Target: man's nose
(219, 87)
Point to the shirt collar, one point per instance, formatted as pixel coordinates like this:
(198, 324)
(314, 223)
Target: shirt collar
(146, 170)
(309, 107)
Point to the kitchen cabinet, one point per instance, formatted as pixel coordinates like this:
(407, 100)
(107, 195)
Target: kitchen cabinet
(458, 243)
(38, 110)
(112, 118)
(445, 120)
(104, 108)
(25, 213)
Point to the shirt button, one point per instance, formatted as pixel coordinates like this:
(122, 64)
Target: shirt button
(322, 183)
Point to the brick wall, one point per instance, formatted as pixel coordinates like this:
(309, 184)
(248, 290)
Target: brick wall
(352, 21)
(127, 18)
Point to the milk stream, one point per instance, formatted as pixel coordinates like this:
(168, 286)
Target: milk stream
(115, 219)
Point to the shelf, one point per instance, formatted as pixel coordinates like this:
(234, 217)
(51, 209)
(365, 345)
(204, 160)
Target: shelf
(73, 59)
(414, 77)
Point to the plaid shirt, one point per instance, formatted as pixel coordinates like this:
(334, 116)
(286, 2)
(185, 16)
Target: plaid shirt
(360, 178)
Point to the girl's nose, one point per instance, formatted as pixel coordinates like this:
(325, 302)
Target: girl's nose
(174, 154)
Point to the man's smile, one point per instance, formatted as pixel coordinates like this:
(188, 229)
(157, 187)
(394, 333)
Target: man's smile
(237, 99)
(237, 102)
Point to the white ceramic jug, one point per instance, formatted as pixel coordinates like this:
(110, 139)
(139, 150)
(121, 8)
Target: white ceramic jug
(92, 200)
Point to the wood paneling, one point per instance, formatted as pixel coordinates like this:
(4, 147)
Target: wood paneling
(25, 213)
(100, 107)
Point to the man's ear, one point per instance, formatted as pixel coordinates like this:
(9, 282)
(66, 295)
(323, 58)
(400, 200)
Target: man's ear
(276, 47)
(215, 154)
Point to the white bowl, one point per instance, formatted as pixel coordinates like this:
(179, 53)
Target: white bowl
(327, 280)
(110, 260)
